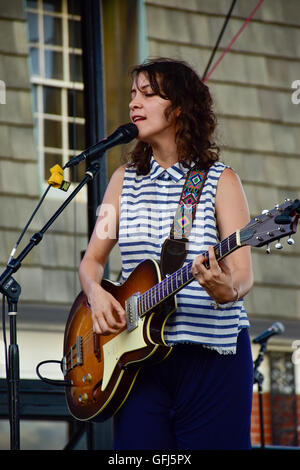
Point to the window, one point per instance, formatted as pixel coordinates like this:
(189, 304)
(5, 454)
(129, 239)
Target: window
(283, 400)
(46, 423)
(36, 434)
(54, 34)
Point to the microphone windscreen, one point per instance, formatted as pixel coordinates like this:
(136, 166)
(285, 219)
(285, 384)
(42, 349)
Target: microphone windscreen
(130, 131)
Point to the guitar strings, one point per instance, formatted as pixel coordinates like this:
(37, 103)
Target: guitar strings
(158, 288)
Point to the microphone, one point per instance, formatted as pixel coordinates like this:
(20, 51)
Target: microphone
(122, 135)
(275, 329)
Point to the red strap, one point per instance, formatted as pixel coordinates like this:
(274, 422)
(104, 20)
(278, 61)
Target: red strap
(233, 41)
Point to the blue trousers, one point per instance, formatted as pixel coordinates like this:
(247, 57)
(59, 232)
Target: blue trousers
(194, 399)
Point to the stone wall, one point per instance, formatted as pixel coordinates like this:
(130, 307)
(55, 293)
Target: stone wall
(49, 273)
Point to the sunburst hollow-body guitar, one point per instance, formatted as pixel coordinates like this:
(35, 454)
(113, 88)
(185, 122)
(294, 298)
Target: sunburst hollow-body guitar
(101, 369)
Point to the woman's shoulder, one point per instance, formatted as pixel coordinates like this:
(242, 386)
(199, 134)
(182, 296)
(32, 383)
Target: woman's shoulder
(120, 171)
(229, 186)
(118, 175)
(229, 176)
(115, 184)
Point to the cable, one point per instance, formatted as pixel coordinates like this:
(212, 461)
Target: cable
(5, 348)
(233, 40)
(66, 383)
(4, 334)
(27, 225)
(56, 180)
(219, 38)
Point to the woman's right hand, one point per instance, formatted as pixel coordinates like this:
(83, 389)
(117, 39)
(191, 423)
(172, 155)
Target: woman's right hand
(108, 315)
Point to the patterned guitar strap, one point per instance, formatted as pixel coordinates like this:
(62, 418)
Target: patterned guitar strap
(175, 248)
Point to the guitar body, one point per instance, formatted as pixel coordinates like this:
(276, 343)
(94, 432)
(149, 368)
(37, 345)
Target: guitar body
(102, 369)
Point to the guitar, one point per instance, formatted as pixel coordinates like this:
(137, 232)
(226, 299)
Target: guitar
(101, 370)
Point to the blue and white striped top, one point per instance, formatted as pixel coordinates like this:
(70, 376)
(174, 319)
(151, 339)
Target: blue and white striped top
(148, 205)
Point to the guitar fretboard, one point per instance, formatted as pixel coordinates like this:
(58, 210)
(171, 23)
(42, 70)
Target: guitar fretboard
(183, 276)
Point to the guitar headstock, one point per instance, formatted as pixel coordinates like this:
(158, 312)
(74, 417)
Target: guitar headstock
(272, 225)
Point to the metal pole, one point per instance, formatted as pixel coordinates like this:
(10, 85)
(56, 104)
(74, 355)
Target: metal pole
(94, 97)
(95, 130)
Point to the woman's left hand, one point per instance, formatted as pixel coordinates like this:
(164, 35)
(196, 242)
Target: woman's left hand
(216, 279)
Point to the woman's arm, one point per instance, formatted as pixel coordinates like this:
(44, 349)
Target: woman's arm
(107, 314)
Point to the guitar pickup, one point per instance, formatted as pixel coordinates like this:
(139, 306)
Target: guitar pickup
(131, 309)
(74, 356)
(97, 346)
(79, 358)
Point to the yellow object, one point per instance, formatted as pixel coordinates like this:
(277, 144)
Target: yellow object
(57, 178)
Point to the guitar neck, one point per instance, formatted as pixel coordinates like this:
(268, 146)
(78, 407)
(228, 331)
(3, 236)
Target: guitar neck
(183, 276)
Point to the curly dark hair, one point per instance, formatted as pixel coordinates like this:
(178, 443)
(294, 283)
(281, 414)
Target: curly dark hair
(196, 122)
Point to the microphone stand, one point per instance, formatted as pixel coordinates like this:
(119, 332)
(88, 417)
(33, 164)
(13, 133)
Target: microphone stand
(259, 378)
(10, 288)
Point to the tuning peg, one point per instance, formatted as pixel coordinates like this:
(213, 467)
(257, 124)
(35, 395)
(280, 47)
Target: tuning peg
(278, 245)
(268, 249)
(266, 212)
(291, 241)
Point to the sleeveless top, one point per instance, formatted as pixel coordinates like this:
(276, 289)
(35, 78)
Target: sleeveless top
(148, 205)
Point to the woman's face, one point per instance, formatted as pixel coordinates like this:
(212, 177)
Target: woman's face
(147, 112)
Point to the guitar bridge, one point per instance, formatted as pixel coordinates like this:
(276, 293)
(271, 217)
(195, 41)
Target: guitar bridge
(97, 346)
(131, 309)
(74, 356)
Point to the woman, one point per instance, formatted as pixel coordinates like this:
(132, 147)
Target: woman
(200, 396)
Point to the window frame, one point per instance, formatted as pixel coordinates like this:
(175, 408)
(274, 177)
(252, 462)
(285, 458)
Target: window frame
(65, 84)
